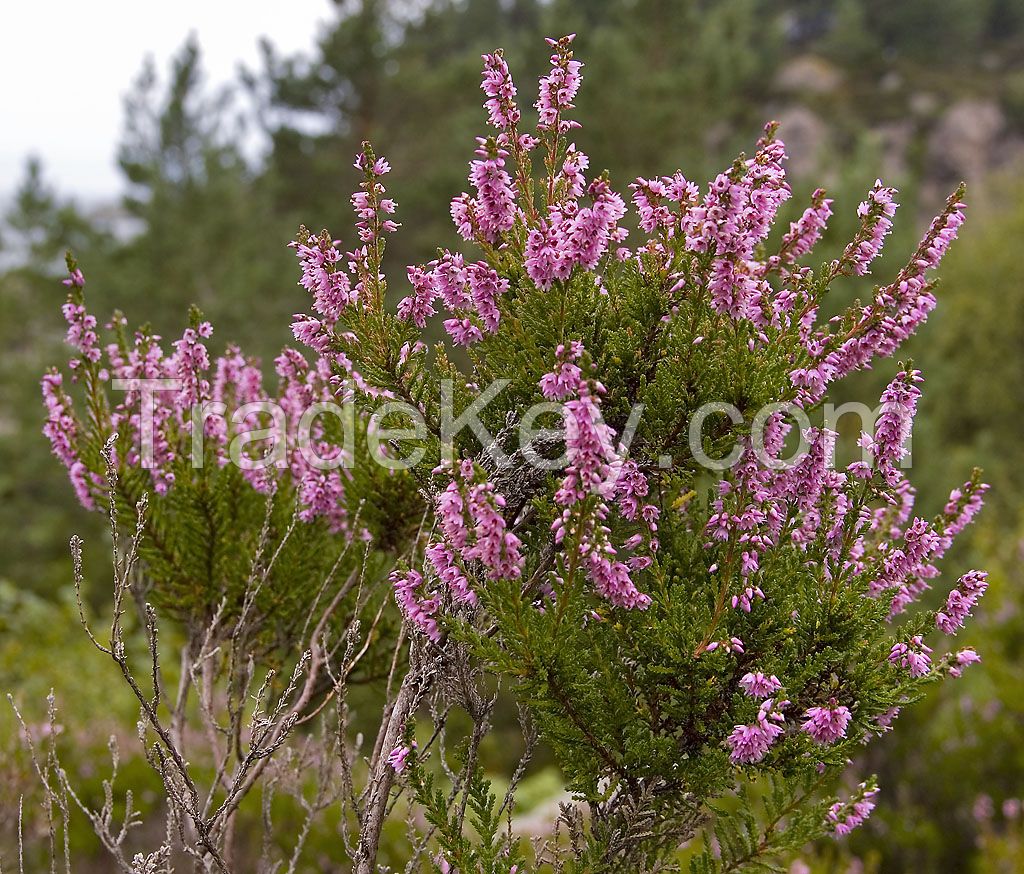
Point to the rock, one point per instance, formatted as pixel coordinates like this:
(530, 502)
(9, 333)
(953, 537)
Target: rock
(809, 74)
(805, 136)
(923, 103)
(891, 82)
(894, 139)
(964, 142)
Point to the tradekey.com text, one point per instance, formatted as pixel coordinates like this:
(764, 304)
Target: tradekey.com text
(396, 434)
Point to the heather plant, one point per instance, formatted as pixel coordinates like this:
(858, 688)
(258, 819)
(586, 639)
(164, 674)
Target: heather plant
(600, 493)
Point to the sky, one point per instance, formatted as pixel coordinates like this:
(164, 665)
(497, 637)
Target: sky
(65, 66)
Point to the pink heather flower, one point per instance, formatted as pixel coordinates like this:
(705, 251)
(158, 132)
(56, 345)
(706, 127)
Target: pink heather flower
(323, 277)
(593, 470)
(558, 88)
(469, 513)
(61, 427)
(61, 430)
(368, 202)
(465, 290)
(885, 720)
(450, 280)
(912, 560)
(593, 228)
(961, 508)
(733, 644)
(827, 724)
(485, 287)
(449, 571)
(545, 261)
(308, 331)
(564, 380)
(494, 547)
(417, 609)
(963, 658)
(189, 363)
(897, 309)
(876, 221)
(652, 199)
(572, 170)
(237, 381)
(398, 756)
(463, 332)
(417, 308)
(805, 232)
(741, 204)
(899, 405)
(757, 685)
(631, 489)
(462, 212)
(941, 233)
(497, 84)
(495, 208)
(846, 817)
(612, 579)
(961, 600)
(745, 600)
(322, 492)
(750, 743)
(81, 334)
(734, 218)
(589, 447)
(895, 313)
(915, 656)
(75, 279)
(735, 291)
(451, 514)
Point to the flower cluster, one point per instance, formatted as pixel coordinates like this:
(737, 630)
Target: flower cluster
(876, 221)
(805, 232)
(497, 84)
(398, 757)
(368, 203)
(597, 473)
(494, 208)
(221, 396)
(558, 88)
(662, 204)
(892, 429)
(416, 606)
(961, 659)
(469, 511)
(470, 292)
(915, 656)
(474, 532)
(61, 429)
(845, 817)
(324, 277)
(897, 309)
(749, 744)
(960, 601)
(827, 724)
(573, 236)
(757, 685)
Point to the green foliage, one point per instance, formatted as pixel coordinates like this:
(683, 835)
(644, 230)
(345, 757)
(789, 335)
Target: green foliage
(489, 850)
(764, 823)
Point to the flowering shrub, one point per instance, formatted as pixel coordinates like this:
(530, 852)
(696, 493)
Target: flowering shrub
(687, 596)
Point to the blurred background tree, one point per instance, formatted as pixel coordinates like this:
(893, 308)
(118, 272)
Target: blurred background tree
(216, 179)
